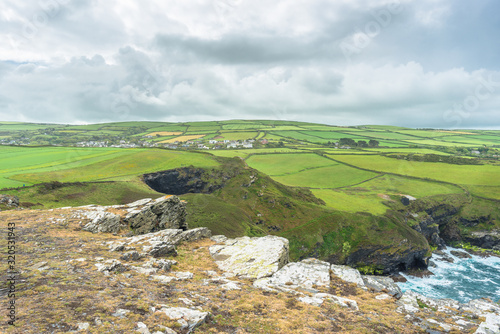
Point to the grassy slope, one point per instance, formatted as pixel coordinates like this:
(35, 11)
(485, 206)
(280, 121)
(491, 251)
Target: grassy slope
(268, 207)
(76, 194)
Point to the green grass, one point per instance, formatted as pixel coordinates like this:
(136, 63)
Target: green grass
(245, 153)
(335, 176)
(405, 150)
(298, 136)
(383, 135)
(397, 185)
(474, 140)
(334, 135)
(136, 162)
(426, 133)
(280, 164)
(17, 160)
(244, 126)
(492, 192)
(358, 202)
(443, 143)
(457, 174)
(238, 135)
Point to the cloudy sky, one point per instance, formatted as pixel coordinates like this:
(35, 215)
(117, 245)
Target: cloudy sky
(416, 63)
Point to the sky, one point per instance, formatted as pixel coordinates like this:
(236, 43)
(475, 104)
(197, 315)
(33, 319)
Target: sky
(414, 63)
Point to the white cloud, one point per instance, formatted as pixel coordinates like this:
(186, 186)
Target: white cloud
(178, 60)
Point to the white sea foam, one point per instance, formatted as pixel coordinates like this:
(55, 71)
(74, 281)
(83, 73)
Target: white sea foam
(462, 280)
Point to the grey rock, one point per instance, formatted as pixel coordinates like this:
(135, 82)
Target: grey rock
(103, 222)
(83, 326)
(163, 249)
(165, 265)
(9, 200)
(302, 275)
(382, 284)
(348, 274)
(111, 266)
(120, 313)
(142, 328)
(167, 212)
(131, 256)
(218, 238)
(252, 258)
(187, 318)
(195, 234)
(344, 302)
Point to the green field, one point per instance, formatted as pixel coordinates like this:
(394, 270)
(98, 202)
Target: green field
(335, 176)
(456, 174)
(17, 160)
(291, 164)
(281, 164)
(128, 165)
(296, 183)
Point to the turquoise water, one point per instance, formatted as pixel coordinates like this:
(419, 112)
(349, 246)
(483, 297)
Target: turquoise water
(463, 280)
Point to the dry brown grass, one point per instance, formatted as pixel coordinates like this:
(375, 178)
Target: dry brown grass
(73, 291)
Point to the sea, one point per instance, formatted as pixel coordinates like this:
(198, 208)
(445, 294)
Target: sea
(462, 280)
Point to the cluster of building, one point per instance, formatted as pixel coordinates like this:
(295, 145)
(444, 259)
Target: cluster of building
(121, 144)
(212, 144)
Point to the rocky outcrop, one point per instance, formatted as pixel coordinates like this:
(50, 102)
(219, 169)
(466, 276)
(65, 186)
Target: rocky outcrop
(413, 303)
(484, 239)
(251, 257)
(298, 276)
(143, 216)
(382, 284)
(9, 201)
(167, 212)
(159, 244)
(430, 230)
(388, 260)
(103, 222)
(304, 278)
(347, 274)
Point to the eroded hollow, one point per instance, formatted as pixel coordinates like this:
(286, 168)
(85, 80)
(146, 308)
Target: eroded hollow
(185, 180)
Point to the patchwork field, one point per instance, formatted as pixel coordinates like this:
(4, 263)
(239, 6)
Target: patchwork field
(297, 154)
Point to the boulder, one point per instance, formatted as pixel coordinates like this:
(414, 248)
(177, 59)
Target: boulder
(131, 256)
(341, 301)
(103, 222)
(9, 200)
(195, 234)
(187, 318)
(251, 258)
(382, 284)
(167, 212)
(111, 266)
(484, 239)
(298, 275)
(348, 274)
(163, 249)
